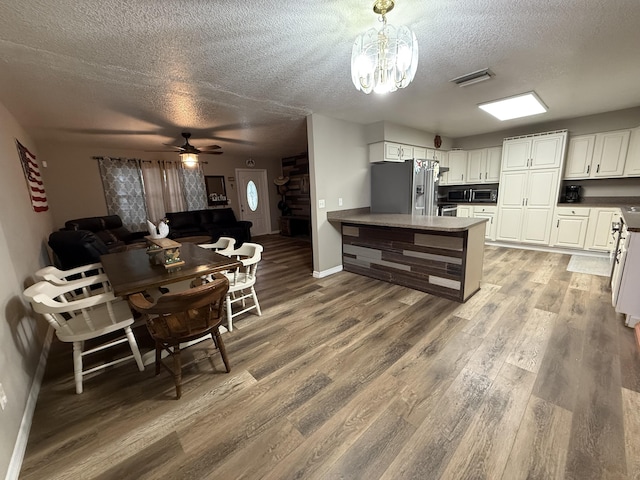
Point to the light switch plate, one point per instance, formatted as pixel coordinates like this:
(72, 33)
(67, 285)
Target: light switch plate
(3, 398)
(340, 202)
(321, 203)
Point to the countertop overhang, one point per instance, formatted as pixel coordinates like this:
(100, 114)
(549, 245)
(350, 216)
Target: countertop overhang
(398, 220)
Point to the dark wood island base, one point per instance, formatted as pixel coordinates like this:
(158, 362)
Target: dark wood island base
(438, 255)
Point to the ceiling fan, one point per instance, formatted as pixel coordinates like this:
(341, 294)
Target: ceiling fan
(187, 148)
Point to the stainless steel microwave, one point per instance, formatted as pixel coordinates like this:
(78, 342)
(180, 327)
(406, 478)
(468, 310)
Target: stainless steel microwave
(459, 195)
(484, 195)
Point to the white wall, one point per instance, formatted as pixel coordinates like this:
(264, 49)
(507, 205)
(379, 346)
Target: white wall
(75, 189)
(23, 236)
(392, 132)
(338, 168)
(602, 122)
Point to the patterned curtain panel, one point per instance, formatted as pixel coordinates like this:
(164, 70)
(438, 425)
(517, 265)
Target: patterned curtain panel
(194, 188)
(123, 191)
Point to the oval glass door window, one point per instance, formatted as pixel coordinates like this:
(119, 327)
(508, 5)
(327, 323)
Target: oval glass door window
(252, 196)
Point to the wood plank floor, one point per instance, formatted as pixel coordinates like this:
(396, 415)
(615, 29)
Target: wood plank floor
(347, 377)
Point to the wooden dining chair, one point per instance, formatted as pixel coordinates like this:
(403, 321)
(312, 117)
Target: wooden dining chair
(177, 318)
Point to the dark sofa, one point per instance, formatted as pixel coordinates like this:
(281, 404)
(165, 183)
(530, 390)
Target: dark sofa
(217, 222)
(83, 240)
(74, 248)
(110, 230)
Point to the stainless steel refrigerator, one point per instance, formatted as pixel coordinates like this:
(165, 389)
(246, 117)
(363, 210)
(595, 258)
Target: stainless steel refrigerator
(405, 187)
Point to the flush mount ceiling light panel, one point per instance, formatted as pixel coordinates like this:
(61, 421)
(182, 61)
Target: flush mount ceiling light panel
(473, 77)
(386, 59)
(523, 105)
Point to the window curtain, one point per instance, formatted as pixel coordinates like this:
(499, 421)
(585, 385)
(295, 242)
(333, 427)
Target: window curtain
(153, 178)
(138, 190)
(174, 199)
(123, 191)
(194, 188)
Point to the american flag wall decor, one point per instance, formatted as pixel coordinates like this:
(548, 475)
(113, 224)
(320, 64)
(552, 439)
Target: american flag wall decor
(33, 178)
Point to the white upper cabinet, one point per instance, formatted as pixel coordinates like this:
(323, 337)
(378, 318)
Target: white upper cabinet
(420, 152)
(609, 153)
(483, 165)
(601, 155)
(632, 165)
(457, 161)
(494, 159)
(476, 165)
(533, 152)
(579, 156)
(390, 152)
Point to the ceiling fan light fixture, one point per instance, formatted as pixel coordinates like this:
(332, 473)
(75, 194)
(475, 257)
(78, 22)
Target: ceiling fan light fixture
(189, 160)
(386, 59)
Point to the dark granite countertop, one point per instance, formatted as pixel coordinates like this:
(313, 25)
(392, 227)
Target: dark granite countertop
(416, 222)
(603, 202)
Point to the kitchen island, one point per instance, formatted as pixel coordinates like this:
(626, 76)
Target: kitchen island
(438, 255)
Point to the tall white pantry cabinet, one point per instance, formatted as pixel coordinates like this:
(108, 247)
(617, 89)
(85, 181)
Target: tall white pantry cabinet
(529, 186)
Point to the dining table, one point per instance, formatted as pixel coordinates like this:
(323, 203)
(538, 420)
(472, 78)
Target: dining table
(132, 271)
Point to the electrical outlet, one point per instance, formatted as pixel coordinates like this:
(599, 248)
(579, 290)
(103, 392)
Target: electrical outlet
(339, 202)
(3, 397)
(321, 203)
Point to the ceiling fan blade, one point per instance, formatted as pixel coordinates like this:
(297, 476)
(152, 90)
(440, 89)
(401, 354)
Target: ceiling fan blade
(233, 140)
(211, 147)
(165, 151)
(172, 145)
(211, 153)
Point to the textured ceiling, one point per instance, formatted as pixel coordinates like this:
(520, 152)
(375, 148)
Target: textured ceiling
(244, 74)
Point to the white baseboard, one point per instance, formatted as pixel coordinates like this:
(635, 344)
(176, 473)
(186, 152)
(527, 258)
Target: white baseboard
(544, 248)
(20, 446)
(326, 273)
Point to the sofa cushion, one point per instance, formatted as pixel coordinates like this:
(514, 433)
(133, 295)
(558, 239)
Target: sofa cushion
(182, 219)
(223, 216)
(204, 216)
(112, 222)
(121, 233)
(107, 237)
(92, 224)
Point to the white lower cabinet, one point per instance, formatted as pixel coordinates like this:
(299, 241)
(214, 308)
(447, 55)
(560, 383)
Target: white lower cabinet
(463, 211)
(599, 237)
(570, 228)
(525, 205)
(490, 214)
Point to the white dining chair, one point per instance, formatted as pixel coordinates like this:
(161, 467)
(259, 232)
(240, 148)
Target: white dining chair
(60, 277)
(223, 246)
(57, 276)
(242, 281)
(77, 319)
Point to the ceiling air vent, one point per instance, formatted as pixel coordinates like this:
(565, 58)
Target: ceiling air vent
(473, 77)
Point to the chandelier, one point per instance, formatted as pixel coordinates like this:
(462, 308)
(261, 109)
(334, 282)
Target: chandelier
(384, 60)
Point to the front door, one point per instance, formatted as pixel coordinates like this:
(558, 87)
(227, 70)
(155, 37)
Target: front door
(253, 196)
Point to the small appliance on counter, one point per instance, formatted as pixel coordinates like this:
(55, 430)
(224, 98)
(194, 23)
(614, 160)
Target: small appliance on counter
(572, 193)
